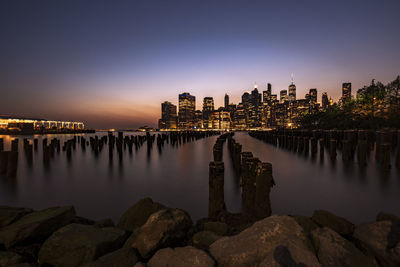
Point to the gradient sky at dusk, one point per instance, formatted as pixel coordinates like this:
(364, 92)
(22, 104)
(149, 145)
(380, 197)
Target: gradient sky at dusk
(111, 63)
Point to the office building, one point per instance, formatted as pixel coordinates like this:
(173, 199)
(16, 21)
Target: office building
(187, 107)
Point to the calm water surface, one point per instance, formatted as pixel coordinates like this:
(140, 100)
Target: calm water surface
(178, 177)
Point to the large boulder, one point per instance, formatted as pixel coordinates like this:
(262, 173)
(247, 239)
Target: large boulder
(36, 226)
(9, 215)
(120, 258)
(181, 256)
(306, 223)
(334, 250)
(381, 240)
(25, 264)
(382, 216)
(204, 239)
(164, 228)
(338, 224)
(8, 258)
(273, 241)
(219, 228)
(77, 244)
(138, 214)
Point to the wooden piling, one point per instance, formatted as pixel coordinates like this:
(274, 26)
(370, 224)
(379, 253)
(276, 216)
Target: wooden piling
(264, 182)
(216, 202)
(3, 161)
(362, 152)
(332, 149)
(12, 164)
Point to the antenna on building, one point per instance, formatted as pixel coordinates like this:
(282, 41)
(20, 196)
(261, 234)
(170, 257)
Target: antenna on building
(291, 76)
(255, 85)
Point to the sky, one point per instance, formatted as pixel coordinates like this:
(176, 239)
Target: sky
(110, 63)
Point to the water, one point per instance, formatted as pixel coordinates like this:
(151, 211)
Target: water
(178, 177)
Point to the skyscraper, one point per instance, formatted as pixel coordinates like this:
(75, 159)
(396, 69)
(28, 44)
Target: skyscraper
(346, 92)
(226, 99)
(187, 107)
(267, 93)
(292, 92)
(325, 100)
(283, 96)
(208, 109)
(313, 96)
(168, 116)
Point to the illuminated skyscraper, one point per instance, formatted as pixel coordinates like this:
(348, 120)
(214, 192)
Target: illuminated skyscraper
(226, 99)
(283, 96)
(168, 116)
(346, 92)
(313, 96)
(292, 92)
(208, 109)
(187, 107)
(267, 93)
(325, 100)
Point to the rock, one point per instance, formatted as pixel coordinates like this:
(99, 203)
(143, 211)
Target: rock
(119, 258)
(164, 228)
(138, 214)
(77, 244)
(8, 258)
(334, 250)
(306, 223)
(104, 223)
(237, 222)
(36, 226)
(380, 239)
(336, 223)
(9, 215)
(25, 264)
(82, 220)
(181, 256)
(219, 228)
(272, 241)
(204, 239)
(387, 217)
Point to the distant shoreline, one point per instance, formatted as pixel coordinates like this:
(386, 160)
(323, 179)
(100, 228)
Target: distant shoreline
(46, 132)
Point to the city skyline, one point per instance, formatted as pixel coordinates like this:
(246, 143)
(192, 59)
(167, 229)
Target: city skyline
(258, 109)
(111, 64)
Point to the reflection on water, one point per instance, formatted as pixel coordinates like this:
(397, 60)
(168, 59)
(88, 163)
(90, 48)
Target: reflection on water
(105, 185)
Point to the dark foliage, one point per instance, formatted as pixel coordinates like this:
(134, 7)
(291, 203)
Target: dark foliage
(376, 106)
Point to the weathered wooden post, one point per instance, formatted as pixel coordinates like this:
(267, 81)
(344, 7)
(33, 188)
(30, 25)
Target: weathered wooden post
(217, 152)
(332, 149)
(237, 148)
(314, 147)
(321, 149)
(14, 145)
(362, 153)
(249, 185)
(264, 182)
(385, 156)
(3, 161)
(306, 146)
(12, 164)
(216, 202)
(35, 144)
(29, 153)
(346, 150)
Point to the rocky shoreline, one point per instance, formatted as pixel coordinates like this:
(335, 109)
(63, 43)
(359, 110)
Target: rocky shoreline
(150, 234)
